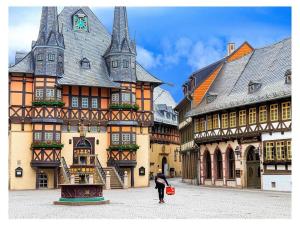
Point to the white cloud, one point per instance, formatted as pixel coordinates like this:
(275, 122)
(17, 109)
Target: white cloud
(147, 59)
(203, 53)
(195, 54)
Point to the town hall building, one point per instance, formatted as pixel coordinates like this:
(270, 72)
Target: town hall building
(79, 77)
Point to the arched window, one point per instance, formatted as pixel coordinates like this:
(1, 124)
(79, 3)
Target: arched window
(219, 164)
(231, 164)
(207, 165)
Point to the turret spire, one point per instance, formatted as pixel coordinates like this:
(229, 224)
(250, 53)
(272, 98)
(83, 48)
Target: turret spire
(120, 34)
(120, 56)
(49, 32)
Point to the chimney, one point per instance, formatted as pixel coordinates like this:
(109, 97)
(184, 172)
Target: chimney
(230, 48)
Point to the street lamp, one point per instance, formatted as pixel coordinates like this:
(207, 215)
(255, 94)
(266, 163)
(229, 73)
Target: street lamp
(237, 151)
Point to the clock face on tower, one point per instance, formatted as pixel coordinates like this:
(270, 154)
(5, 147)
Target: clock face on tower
(80, 22)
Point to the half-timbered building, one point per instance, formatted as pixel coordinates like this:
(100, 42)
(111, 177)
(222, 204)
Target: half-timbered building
(164, 139)
(76, 75)
(242, 120)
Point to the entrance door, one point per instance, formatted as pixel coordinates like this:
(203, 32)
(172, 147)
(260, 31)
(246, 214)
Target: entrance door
(164, 165)
(253, 169)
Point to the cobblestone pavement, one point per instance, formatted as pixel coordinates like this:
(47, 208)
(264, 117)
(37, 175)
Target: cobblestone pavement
(189, 202)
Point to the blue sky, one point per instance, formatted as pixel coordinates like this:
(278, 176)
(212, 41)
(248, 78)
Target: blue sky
(172, 42)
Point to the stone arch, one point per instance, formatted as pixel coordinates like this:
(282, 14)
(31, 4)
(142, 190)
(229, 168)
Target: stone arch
(207, 165)
(252, 176)
(230, 163)
(218, 163)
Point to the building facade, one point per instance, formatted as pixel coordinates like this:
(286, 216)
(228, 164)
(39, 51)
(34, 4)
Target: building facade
(76, 75)
(164, 139)
(242, 122)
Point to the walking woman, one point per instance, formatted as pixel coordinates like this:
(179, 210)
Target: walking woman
(161, 181)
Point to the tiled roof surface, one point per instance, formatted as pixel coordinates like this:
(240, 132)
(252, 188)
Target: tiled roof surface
(79, 45)
(91, 45)
(25, 65)
(164, 105)
(265, 65)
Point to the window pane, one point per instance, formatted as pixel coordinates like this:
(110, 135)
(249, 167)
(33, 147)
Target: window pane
(58, 94)
(274, 112)
(125, 97)
(48, 136)
(37, 136)
(39, 93)
(57, 136)
(115, 98)
(94, 103)
(115, 138)
(85, 102)
(74, 101)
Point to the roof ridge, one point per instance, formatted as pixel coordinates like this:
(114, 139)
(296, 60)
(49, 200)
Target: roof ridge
(276, 43)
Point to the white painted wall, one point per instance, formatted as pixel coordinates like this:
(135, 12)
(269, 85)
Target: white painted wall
(276, 136)
(283, 182)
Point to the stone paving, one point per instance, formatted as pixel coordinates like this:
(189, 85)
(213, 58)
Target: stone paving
(189, 202)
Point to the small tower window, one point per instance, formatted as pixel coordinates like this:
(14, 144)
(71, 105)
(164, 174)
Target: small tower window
(288, 77)
(85, 63)
(39, 57)
(125, 64)
(51, 57)
(60, 58)
(114, 64)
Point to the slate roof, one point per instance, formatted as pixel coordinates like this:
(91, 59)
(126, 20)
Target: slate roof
(164, 104)
(266, 66)
(25, 65)
(203, 73)
(79, 45)
(91, 45)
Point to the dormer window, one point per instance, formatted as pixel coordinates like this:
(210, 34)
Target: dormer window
(85, 63)
(80, 21)
(288, 76)
(253, 86)
(210, 97)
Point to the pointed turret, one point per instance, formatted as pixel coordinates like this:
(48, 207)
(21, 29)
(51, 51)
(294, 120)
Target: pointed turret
(48, 50)
(121, 54)
(48, 33)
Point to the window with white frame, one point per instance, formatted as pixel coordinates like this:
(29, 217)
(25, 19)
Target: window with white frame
(84, 102)
(125, 138)
(94, 129)
(115, 98)
(48, 136)
(49, 93)
(39, 93)
(58, 94)
(57, 136)
(125, 97)
(133, 137)
(40, 57)
(115, 139)
(74, 101)
(94, 103)
(133, 98)
(37, 136)
(51, 57)
(115, 64)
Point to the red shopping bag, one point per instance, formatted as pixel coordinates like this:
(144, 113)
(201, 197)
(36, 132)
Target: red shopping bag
(170, 190)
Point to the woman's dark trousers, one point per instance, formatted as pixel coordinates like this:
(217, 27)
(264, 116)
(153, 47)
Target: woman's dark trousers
(161, 189)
